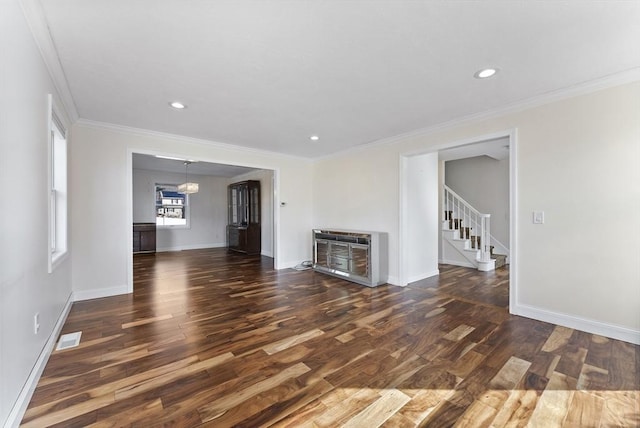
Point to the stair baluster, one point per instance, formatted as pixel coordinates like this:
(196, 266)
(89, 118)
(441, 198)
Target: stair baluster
(477, 225)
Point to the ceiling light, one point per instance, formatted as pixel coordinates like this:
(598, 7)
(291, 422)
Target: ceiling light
(169, 157)
(485, 73)
(187, 187)
(177, 105)
(314, 138)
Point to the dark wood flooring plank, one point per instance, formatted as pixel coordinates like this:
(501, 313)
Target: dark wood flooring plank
(211, 338)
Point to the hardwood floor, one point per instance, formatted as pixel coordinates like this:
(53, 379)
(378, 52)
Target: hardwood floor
(216, 339)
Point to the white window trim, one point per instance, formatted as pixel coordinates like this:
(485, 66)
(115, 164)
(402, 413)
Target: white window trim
(58, 254)
(187, 210)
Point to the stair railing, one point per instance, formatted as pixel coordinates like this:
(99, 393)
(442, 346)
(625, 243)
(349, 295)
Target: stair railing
(465, 214)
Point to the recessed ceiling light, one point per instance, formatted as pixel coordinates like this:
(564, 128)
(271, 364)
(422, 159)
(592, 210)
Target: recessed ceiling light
(177, 105)
(485, 73)
(314, 138)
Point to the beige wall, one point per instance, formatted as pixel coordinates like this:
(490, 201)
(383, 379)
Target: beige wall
(577, 159)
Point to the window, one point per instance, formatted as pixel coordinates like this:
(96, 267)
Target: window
(58, 202)
(171, 206)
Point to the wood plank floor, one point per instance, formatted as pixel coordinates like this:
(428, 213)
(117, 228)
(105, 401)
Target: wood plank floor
(216, 339)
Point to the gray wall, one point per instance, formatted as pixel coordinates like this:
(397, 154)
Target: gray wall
(484, 183)
(26, 288)
(208, 212)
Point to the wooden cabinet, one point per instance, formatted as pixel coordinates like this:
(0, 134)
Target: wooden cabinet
(144, 238)
(243, 229)
(356, 256)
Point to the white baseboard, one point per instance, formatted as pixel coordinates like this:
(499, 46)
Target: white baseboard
(190, 247)
(394, 280)
(267, 254)
(99, 293)
(590, 326)
(21, 404)
(423, 275)
(456, 263)
(287, 265)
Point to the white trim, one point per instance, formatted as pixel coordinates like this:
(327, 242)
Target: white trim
(80, 295)
(128, 130)
(277, 256)
(20, 406)
(37, 22)
(402, 221)
(584, 88)
(57, 124)
(394, 280)
(266, 253)
(590, 326)
(456, 263)
(191, 247)
(287, 265)
(423, 275)
(513, 219)
(56, 259)
(129, 219)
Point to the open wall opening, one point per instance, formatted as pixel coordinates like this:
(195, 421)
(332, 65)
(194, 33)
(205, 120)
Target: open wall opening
(421, 211)
(185, 221)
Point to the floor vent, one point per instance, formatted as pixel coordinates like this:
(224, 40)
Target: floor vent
(70, 340)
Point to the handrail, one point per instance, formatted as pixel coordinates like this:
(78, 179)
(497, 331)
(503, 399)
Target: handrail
(465, 203)
(467, 214)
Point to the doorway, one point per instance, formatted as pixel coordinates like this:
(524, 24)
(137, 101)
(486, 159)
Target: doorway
(205, 212)
(433, 214)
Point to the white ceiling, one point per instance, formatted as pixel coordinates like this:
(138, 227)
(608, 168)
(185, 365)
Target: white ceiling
(268, 74)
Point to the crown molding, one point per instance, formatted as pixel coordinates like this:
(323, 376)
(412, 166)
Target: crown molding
(128, 130)
(617, 79)
(37, 22)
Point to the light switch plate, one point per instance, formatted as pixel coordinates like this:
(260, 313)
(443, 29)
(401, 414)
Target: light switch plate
(538, 217)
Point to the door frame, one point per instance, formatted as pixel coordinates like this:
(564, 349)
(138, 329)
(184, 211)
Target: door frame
(129, 204)
(404, 227)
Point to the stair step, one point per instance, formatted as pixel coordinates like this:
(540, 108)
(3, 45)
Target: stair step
(500, 259)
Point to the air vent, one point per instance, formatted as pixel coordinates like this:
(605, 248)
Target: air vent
(70, 340)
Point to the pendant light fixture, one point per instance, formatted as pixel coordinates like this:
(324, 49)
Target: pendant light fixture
(186, 187)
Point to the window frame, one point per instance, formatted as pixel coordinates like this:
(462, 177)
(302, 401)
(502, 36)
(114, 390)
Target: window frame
(58, 187)
(186, 205)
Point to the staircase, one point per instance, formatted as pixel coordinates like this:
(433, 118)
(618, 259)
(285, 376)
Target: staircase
(467, 231)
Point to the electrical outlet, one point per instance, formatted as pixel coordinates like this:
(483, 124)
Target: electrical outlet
(36, 323)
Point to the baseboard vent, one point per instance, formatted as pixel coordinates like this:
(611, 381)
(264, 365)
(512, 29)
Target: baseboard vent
(69, 340)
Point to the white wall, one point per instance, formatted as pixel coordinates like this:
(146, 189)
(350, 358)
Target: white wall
(577, 159)
(25, 286)
(420, 210)
(101, 170)
(207, 210)
(484, 183)
(265, 177)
